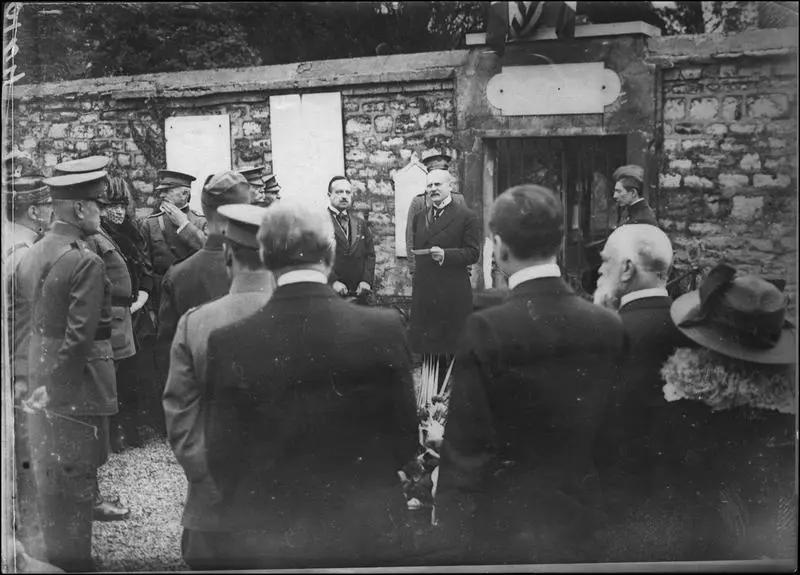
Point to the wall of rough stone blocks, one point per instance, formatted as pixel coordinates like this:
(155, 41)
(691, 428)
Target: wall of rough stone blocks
(728, 184)
(383, 126)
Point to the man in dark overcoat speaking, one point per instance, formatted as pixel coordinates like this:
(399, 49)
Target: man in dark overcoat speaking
(310, 413)
(447, 242)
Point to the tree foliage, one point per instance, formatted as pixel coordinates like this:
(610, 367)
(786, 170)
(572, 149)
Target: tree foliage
(62, 41)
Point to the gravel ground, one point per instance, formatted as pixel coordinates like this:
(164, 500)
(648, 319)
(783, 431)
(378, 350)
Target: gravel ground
(150, 482)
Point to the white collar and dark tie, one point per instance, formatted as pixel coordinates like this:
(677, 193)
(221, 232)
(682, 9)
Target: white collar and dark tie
(342, 219)
(437, 210)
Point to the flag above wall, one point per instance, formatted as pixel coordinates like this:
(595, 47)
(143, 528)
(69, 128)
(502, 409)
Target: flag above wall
(519, 20)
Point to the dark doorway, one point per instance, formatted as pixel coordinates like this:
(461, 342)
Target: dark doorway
(578, 168)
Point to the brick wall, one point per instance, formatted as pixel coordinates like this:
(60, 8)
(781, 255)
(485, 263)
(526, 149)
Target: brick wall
(727, 185)
(383, 126)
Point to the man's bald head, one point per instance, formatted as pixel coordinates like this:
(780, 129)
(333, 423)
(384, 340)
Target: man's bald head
(635, 257)
(648, 247)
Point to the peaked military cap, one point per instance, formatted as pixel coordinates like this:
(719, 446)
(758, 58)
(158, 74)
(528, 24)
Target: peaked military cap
(242, 222)
(226, 188)
(88, 186)
(82, 165)
(26, 190)
(172, 179)
(271, 184)
(436, 160)
(255, 176)
(630, 171)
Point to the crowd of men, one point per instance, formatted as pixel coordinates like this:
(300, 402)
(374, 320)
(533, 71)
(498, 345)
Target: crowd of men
(289, 400)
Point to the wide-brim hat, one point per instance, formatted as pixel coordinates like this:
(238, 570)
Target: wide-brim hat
(743, 318)
(242, 222)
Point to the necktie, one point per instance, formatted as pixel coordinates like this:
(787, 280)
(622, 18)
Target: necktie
(437, 212)
(343, 223)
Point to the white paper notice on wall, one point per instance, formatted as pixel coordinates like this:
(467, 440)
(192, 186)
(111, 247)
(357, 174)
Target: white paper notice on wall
(553, 89)
(200, 146)
(307, 144)
(408, 182)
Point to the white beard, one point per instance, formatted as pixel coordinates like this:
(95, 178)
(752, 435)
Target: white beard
(606, 295)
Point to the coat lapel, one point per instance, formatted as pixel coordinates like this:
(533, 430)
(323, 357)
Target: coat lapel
(341, 239)
(448, 217)
(355, 231)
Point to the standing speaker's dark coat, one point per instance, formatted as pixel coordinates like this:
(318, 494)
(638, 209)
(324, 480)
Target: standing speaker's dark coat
(442, 294)
(198, 279)
(531, 380)
(355, 256)
(311, 412)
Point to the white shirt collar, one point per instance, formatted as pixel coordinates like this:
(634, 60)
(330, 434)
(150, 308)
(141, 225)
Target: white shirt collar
(642, 293)
(532, 273)
(299, 276)
(444, 203)
(636, 202)
(336, 212)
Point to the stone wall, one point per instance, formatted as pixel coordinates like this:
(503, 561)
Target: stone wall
(384, 125)
(727, 184)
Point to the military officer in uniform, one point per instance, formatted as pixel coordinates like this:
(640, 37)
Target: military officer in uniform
(174, 231)
(251, 286)
(272, 190)
(29, 211)
(353, 270)
(202, 277)
(255, 177)
(116, 270)
(421, 202)
(63, 291)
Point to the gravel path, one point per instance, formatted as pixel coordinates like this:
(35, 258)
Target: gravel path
(150, 482)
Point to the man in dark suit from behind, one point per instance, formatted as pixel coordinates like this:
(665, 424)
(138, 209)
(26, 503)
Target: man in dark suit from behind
(310, 414)
(633, 279)
(516, 482)
(353, 270)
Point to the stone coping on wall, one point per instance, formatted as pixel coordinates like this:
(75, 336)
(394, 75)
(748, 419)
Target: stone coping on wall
(715, 47)
(427, 66)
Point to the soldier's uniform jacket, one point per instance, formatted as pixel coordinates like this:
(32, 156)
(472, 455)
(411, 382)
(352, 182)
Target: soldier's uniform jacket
(64, 294)
(200, 278)
(166, 245)
(186, 385)
(420, 204)
(639, 213)
(17, 243)
(116, 267)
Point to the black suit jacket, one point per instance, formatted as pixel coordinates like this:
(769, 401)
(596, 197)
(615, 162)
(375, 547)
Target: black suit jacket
(639, 213)
(531, 381)
(442, 294)
(640, 399)
(310, 413)
(355, 256)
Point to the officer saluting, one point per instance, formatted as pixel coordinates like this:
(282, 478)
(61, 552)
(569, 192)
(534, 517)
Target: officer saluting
(63, 291)
(173, 232)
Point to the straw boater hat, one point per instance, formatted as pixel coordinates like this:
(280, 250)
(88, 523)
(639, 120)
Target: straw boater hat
(740, 317)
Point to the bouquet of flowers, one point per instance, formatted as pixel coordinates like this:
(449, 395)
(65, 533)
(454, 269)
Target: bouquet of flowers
(724, 383)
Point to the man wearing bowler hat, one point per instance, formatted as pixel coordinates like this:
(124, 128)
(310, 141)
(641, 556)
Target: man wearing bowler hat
(251, 287)
(174, 231)
(202, 276)
(63, 294)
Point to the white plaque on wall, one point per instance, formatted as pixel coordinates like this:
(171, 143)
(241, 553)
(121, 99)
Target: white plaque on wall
(408, 182)
(200, 146)
(553, 89)
(307, 144)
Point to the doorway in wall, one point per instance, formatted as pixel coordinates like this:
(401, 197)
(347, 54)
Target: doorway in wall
(579, 169)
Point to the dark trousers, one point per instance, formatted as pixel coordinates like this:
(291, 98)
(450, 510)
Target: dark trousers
(65, 456)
